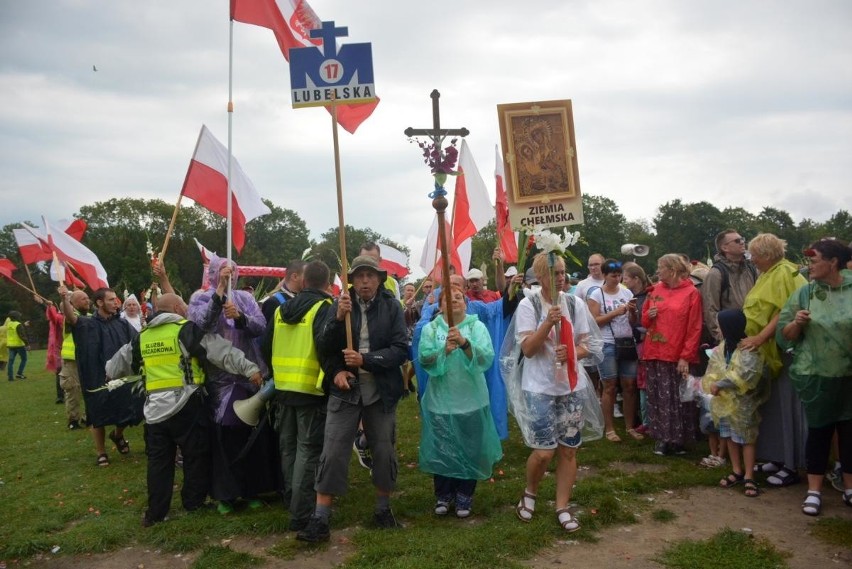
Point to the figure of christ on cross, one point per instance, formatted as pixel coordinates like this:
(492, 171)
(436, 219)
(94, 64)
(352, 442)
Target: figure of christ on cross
(437, 135)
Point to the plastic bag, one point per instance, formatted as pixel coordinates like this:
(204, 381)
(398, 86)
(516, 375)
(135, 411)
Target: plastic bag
(690, 389)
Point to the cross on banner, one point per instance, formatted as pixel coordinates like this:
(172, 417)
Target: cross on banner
(437, 135)
(329, 34)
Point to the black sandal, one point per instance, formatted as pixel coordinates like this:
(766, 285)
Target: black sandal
(784, 477)
(121, 444)
(751, 489)
(731, 480)
(102, 460)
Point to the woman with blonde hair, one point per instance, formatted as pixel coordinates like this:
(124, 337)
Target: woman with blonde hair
(783, 428)
(672, 315)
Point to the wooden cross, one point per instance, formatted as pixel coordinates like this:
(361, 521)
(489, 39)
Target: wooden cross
(437, 135)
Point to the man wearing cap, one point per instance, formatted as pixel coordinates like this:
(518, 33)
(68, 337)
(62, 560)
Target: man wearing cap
(366, 382)
(476, 287)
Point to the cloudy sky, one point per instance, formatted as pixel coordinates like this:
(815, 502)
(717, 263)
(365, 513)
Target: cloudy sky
(743, 103)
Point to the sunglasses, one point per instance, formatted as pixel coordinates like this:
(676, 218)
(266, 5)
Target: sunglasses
(613, 266)
(738, 241)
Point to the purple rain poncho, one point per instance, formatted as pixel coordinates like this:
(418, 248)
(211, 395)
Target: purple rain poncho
(206, 310)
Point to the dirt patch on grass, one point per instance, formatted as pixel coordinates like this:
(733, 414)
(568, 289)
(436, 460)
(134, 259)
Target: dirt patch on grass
(700, 513)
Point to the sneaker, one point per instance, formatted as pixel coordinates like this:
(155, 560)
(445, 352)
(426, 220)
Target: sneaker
(677, 449)
(835, 476)
(463, 505)
(616, 411)
(365, 458)
(19, 376)
(384, 519)
(661, 448)
(224, 508)
(441, 508)
(315, 532)
(74, 425)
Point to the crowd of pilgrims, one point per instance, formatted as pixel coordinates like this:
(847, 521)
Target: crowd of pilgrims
(750, 357)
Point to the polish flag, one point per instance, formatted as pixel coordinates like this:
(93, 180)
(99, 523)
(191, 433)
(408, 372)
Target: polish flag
(7, 267)
(336, 286)
(506, 238)
(292, 21)
(79, 257)
(472, 209)
(394, 261)
(33, 249)
(430, 259)
(206, 254)
(207, 184)
(60, 273)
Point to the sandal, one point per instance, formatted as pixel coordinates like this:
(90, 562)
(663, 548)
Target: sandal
(568, 522)
(102, 460)
(731, 480)
(767, 467)
(812, 504)
(121, 444)
(751, 489)
(525, 507)
(784, 477)
(613, 437)
(635, 434)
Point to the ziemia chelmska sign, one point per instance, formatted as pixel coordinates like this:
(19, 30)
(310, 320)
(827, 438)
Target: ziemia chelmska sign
(319, 76)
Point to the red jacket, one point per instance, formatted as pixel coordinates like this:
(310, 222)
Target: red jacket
(676, 331)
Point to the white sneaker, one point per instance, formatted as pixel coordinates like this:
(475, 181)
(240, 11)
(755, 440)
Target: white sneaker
(616, 411)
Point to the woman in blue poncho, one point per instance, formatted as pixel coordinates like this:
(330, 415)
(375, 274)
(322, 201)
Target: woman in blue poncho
(459, 443)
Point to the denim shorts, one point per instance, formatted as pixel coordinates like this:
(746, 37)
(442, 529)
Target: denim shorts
(612, 368)
(555, 419)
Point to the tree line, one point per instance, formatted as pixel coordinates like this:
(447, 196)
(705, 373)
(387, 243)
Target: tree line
(120, 229)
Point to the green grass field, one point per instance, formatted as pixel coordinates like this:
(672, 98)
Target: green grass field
(52, 494)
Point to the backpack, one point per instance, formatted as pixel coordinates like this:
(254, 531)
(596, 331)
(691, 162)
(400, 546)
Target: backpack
(726, 279)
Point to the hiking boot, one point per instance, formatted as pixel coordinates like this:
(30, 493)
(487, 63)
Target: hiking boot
(365, 457)
(384, 519)
(315, 532)
(661, 448)
(298, 525)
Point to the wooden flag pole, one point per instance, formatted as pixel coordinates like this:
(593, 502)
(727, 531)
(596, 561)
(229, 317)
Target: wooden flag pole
(162, 254)
(29, 276)
(344, 265)
(26, 288)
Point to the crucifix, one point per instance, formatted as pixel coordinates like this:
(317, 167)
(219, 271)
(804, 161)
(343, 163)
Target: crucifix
(439, 201)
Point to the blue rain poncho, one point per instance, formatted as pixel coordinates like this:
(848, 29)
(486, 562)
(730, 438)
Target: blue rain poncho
(458, 436)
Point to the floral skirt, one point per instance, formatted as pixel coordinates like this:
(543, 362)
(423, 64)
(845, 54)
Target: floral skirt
(671, 420)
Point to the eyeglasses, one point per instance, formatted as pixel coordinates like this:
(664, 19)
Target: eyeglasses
(738, 241)
(590, 265)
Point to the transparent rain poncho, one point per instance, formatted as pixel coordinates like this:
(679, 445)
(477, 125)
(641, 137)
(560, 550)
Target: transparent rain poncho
(743, 388)
(586, 334)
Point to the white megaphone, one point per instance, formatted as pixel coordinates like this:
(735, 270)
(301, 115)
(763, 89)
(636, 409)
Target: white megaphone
(248, 410)
(635, 250)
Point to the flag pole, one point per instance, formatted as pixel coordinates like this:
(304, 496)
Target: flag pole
(344, 265)
(29, 276)
(230, 216)
(26, 288)
(162, 254)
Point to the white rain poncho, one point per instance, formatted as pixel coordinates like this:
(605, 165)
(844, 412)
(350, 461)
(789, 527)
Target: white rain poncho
(539, 377)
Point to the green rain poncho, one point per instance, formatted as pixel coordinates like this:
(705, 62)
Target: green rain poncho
(822, 356)
(458, 437)
(743, 388)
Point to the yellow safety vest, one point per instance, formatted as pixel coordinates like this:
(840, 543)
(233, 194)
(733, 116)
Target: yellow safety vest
(68, 347)
(162, 358)
(295, 366)
(13, 339)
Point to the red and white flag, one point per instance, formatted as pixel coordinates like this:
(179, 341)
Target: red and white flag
(7, 267)
(506, 238)
(292, 21)
(60, 273)
(472, 209)
(206, 254)
(430, 259)
(33, 249)
(394, 261)
(79, 257)
(207, 183)
(336, 286)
